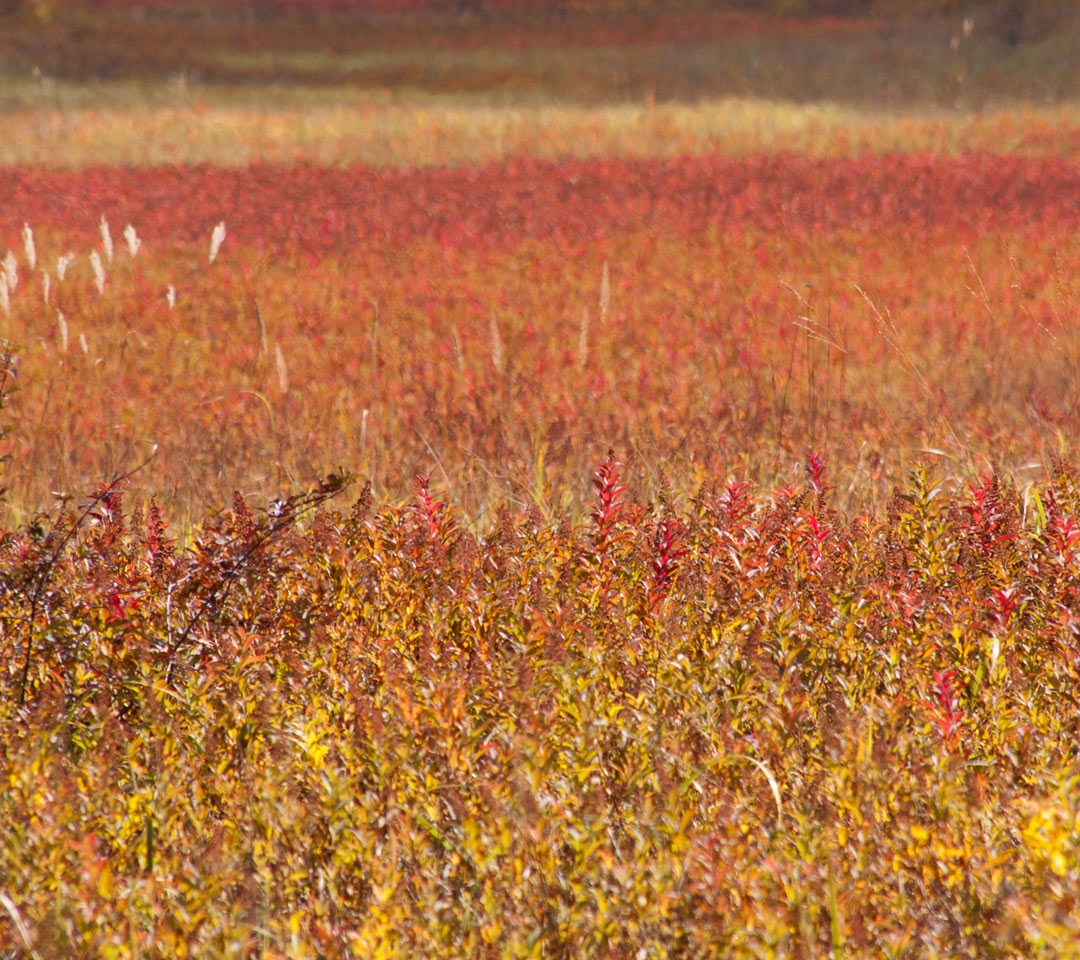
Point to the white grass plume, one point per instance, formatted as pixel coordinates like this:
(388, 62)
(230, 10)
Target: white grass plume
(217, 238)
(11, 271)
(28, 246)
(132, 240)
(62, 263)
(99, 271)
(106, 240)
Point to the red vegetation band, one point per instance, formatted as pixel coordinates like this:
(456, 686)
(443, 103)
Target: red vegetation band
(498, 205)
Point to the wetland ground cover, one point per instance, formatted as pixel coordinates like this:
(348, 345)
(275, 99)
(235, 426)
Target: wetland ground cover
(596, 482)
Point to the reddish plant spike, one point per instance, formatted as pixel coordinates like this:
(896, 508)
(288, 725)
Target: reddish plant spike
(431, 511)
(737, 502)
(815, 533)
(816, 470)
(988, 523)
(1003, 604)
(665, 560)
(156, 539)
(108, 513)
(946, 704)
(243, 518)
(609, 503)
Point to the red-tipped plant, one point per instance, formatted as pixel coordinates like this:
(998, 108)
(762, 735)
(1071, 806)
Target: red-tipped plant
(816, 472)
(1004, 603)
(988, 522)
(156, 539)
(666, 553)
(432, 512)
(946, 704)
(815, 533)
(736, 503)
(609, 504)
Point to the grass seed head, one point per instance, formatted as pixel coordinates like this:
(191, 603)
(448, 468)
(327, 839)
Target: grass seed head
(217, 238)
(11, 271)
(64, 261)
(28, 246)
(106, 240)
(497, 356)
(99, 271)
(132, 239)
(282, 369)
(583, 340)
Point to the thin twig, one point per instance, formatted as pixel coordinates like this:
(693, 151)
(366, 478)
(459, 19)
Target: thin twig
(291, 512)
(49, 566)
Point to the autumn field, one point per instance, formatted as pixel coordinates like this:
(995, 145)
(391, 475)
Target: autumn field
(516, 480)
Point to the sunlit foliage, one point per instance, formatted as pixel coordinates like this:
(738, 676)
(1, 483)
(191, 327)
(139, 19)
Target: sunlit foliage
(741, 724)
(703, 579)
(503, 324)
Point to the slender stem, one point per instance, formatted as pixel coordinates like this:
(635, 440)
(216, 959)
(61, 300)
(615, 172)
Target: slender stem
(50, 564)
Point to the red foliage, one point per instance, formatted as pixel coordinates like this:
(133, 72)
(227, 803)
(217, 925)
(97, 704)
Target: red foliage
(666, 554)
(375, 290)
(946, 704)
(431, 511)
(609, 504)
(313, 211)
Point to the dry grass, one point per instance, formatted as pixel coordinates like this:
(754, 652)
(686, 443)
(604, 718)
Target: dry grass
(406, 132)
(94, 88)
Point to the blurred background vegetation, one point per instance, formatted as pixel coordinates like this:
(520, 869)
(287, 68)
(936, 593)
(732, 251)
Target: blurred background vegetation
(887, 53)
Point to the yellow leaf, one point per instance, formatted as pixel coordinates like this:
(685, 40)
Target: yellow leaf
(105, 886)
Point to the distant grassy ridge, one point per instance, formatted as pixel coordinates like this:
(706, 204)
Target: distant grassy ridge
(798, 51)
(229, 128)
(543, 7)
